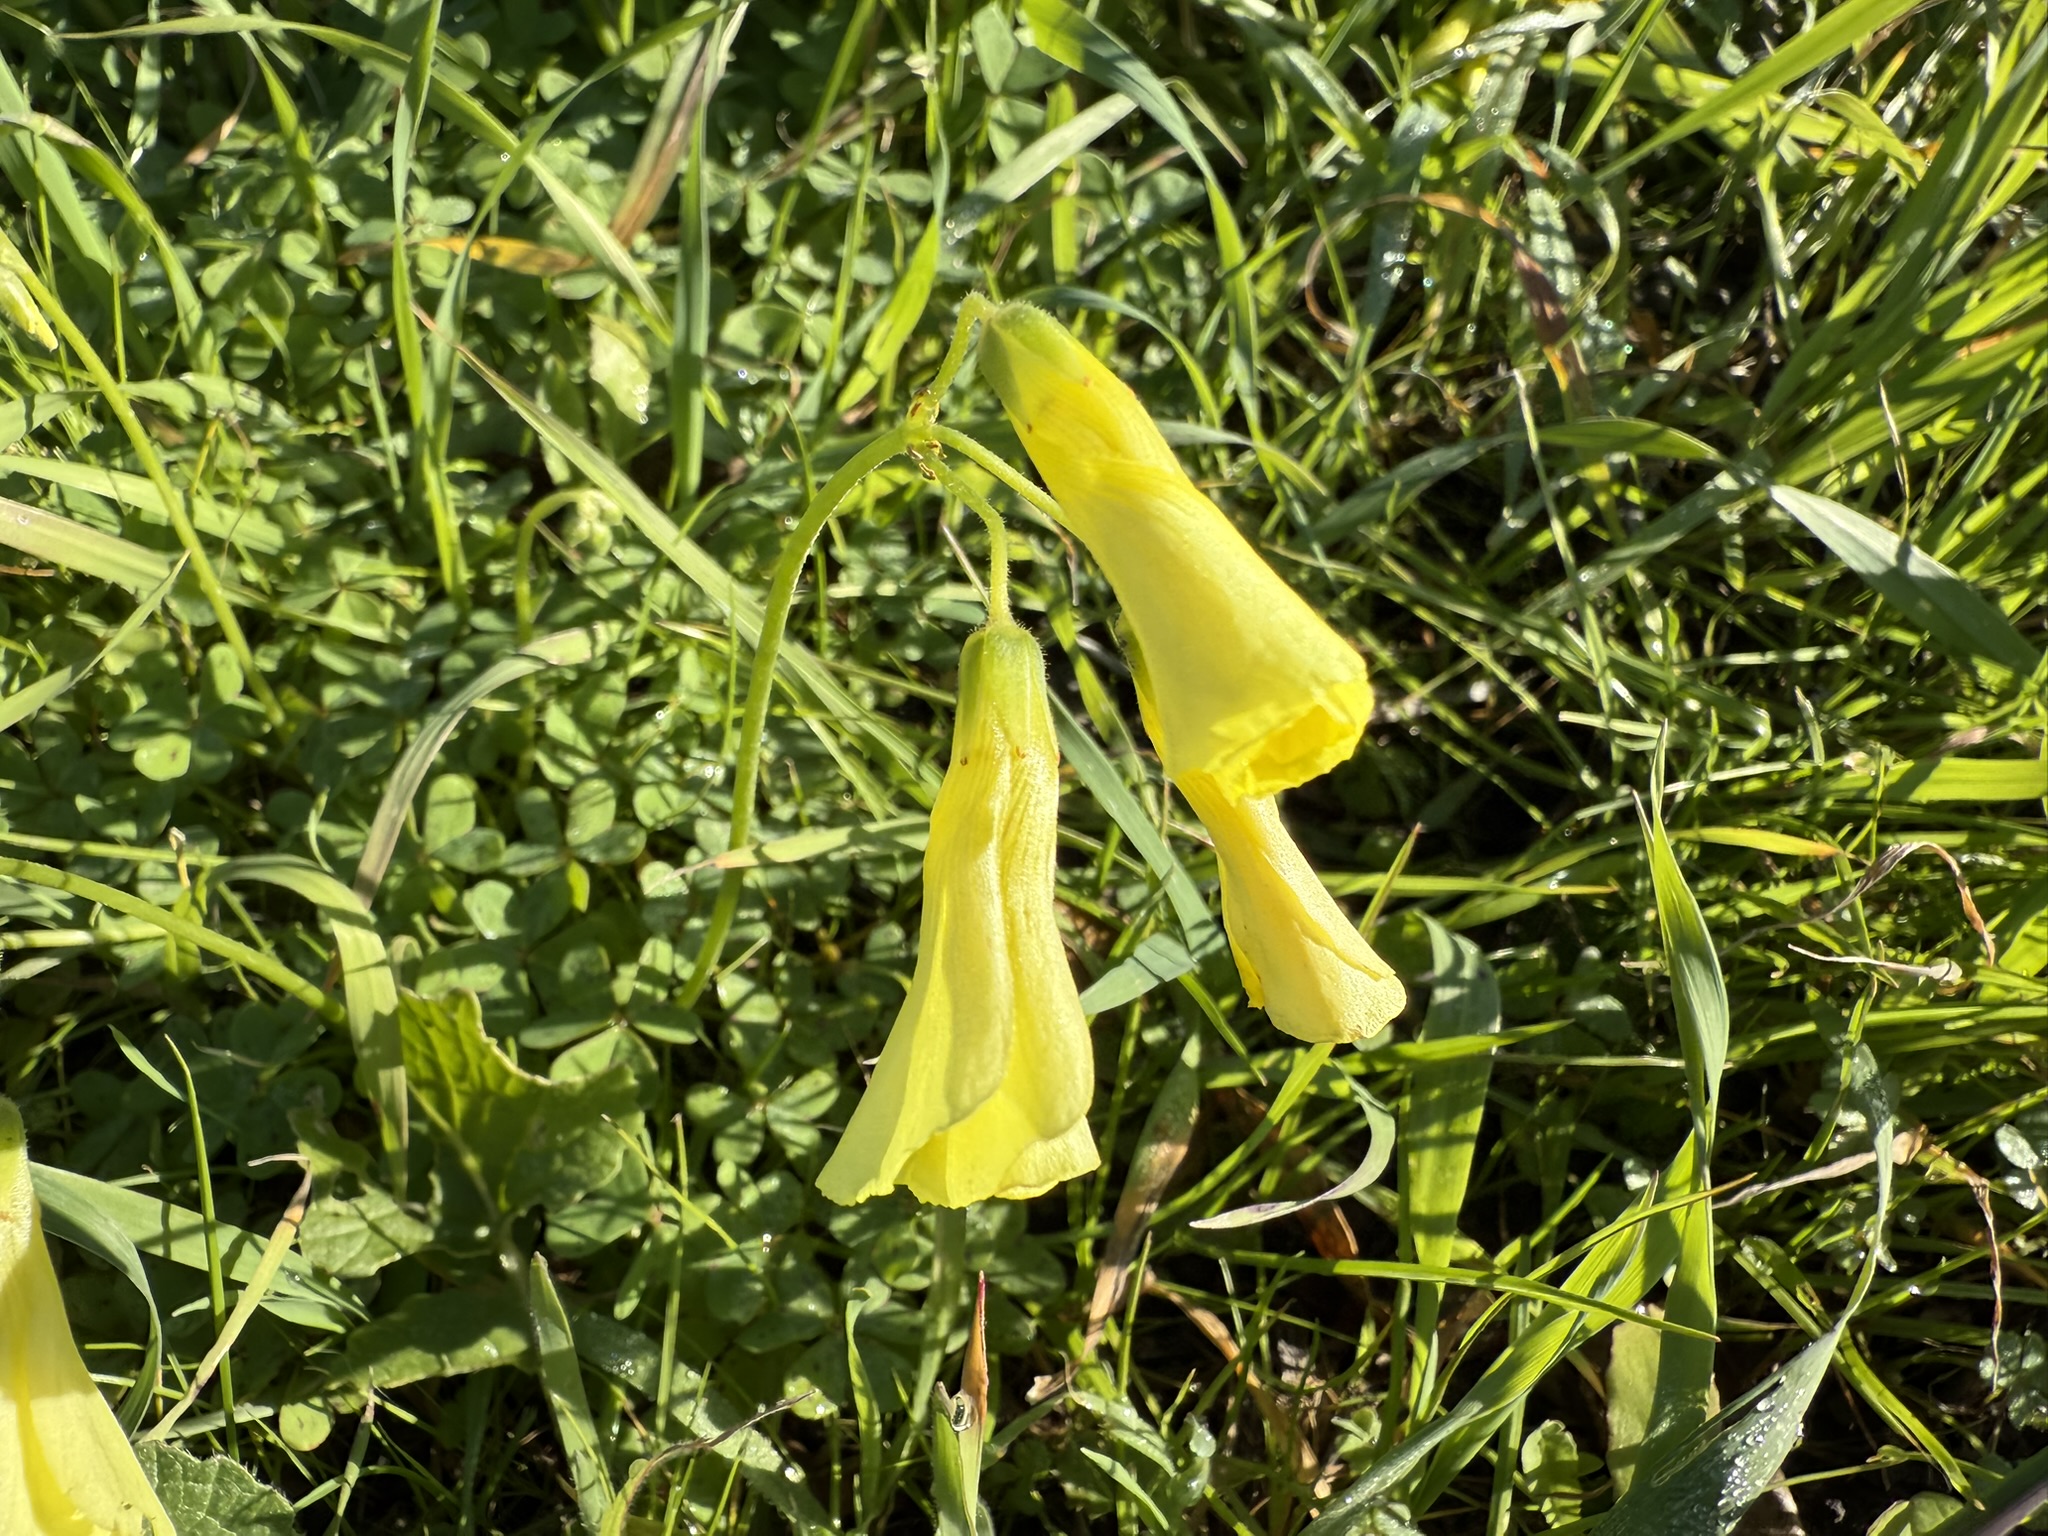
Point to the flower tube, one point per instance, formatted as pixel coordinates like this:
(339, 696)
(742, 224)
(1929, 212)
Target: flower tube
(1253, 688)
(1300, 957)
(65, 1467)
(983, 1087)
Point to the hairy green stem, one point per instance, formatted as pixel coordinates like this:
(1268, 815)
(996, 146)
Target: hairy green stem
(746, 773)
(949, 437)
(998, 543)
(920, 431)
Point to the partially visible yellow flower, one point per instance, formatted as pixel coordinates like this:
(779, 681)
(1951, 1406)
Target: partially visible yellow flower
(65, 1467)
(1253, 688)
(982, 1090)
(1300, 957)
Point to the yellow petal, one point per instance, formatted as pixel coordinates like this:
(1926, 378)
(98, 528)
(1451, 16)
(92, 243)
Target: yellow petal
(65, 1467)
(1298, 954)
(982, 1090)
(1252, 687)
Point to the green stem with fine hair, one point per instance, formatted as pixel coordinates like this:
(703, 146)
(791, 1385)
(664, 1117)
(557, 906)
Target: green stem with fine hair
(1040, 502)
(998, 543)
(919, 431)
(746, 773)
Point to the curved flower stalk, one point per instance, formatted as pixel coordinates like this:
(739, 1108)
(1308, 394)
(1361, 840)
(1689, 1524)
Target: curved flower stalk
(982, 1090)
(65, 1467)
(1300, 957)
(1252, 687)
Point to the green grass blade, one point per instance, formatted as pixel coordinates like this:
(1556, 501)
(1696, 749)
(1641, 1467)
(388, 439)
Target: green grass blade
(70, 1212)
(1926, 591)
(1440, 1121)
(59, 540)
(561, 1376)
(369, 989)
(23, 703)
(177, 1235)
(1095, 770)
(568, 648)
(1837, 31)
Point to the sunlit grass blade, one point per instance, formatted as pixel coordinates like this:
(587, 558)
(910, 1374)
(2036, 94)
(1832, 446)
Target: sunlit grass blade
(562, 1376)
(1925, 590)
(368, 987)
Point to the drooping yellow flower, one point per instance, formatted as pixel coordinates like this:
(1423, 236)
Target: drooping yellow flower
(982, 1090)
(1300, 957)
(1253, 688)
(65, 1467)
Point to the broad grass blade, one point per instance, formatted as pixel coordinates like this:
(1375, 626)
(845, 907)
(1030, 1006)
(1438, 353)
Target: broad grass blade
(562, 1376)
(177, 1234)
(369, 989)
(1710, 1489)
(71, 1213)
(108, 556)
(1440, 1124)
(1928, 592)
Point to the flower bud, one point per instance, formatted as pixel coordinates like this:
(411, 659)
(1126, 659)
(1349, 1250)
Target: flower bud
(65, 1467)
(982, 1090)
(1252, 687)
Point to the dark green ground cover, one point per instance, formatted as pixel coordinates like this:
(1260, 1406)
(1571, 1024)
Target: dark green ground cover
(1650, 390)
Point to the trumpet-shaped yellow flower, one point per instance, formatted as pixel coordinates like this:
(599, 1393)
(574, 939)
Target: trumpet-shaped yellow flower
(65, 1467)
(1252, 687)
(1298, 954)
(982, 1090)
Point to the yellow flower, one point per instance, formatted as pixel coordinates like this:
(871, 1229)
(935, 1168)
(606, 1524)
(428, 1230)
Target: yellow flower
(982, 1090)
(1252, 687)
(65, 1467)
(1299, 955)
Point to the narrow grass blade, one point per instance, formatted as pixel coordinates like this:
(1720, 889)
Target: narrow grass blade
(1088, 48)
(906, 306)
(247, 528)
(87, 156)
(567, 648)
(40, 176)
(740, 604)
(268, 1265)
(1098, 774)
(1837, 30)
(1698, 993)
(24, 702)
(1685, 1369)
(1034, 162)
(1379, 1154)
(1163, 1144)
(866, 1411)
(196, 934)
